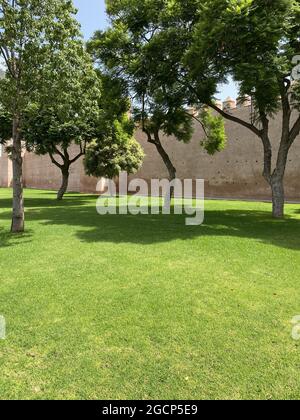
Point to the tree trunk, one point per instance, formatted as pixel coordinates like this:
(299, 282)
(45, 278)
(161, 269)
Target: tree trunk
(278, 198)
(65, 182)
(167, 161)
(277, 179)
(170, 167)
(17, 224)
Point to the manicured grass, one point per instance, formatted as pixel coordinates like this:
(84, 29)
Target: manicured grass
(115, 307)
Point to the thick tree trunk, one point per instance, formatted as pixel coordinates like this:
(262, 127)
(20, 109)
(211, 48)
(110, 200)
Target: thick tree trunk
(65, 182)
(17, 224)
(278, 198)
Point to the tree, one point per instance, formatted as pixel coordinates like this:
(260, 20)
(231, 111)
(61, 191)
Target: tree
(155, 121)
(66, 110)
(254, 41)
(159, 118)
(5, 126)
(203, 43)
(114, 150)
(30, 32)
(126, 50)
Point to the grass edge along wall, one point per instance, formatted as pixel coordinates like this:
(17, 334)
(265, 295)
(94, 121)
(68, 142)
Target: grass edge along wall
(234, 173)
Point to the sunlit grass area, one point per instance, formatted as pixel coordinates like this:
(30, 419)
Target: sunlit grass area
(144, 307)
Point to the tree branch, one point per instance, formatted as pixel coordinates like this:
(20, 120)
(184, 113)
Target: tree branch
(295, 131)
(227, 116)
(66, 154)
(199, 121)
(286, 110)
(237, 120)
(267, 146)
(76, 158)
(58, 152)
(54, 161)
(150, 139)
(5, 55)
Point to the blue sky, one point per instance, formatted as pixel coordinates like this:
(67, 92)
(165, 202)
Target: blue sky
(91, 15)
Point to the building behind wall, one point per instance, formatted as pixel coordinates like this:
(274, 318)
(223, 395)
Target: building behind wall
(235, 172)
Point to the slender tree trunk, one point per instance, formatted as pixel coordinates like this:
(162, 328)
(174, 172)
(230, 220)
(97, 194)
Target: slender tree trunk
(167, 161)
(289, 134)
(65, 182)
(278, 198)
(276, 178)
(64, 167)
(17, 224)
(170, 167)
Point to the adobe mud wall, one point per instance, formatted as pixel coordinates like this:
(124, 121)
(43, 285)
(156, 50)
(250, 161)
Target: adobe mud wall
(234, 173)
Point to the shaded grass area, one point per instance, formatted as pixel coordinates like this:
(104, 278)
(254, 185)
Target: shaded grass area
(135, 307)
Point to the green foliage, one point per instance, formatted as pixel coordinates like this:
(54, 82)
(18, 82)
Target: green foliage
(33, 33)
(215, 140)
(200, 44)
(5, 125)
(175, 122)
(114, 101)
(66, 108)
(114, 151)
(145, 46)
(253, 41)
(69, 103)
(125, 50)
(153, 117)
(113, 148)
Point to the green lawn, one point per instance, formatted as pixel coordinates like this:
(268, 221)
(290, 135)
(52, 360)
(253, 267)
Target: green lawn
(144, 307)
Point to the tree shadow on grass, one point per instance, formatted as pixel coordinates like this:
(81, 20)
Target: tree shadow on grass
(9, 239)
(80, 212)
(39, 205)
(70, 200)
(149, 229)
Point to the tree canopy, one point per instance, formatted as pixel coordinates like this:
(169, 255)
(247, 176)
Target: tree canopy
(132, 49)
(193, 46)
(32, 35)
(114, 151)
